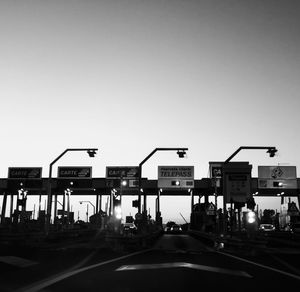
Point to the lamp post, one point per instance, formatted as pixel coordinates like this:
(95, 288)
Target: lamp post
(89, 203)
(180, 152)
(91, 152)
(271, 150)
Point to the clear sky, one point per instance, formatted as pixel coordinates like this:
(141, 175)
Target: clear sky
(128, 76)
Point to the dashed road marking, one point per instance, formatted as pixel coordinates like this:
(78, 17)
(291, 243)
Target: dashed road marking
(182, 265)
(262, 266)
(17, 261)
(64, 275)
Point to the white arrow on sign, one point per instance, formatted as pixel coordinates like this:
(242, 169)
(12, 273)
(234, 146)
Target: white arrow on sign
(182, 265)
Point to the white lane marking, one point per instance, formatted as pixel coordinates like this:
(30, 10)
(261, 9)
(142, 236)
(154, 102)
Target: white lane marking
(64, 275)
(182, 265)
(17, 261)
(262, 266)
(296, 271)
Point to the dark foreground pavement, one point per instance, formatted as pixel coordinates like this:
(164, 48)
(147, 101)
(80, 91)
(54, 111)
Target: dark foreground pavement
(173, 263)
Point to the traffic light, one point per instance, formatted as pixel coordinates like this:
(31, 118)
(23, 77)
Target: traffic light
(175, 183)
(277, 184)
(251, 217)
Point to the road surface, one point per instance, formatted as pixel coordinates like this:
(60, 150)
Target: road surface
(173, 263)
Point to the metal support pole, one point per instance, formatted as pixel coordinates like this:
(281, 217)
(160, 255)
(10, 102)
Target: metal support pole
(3, 208)
(192, 205)
(40, 204)
(11, 205)
(224, 215)
(139, 191)
(271, 150)
(100, 203)
(91, 152)
(145, 204)
(157, 219)
(97, 203)
(158, 202)
(111, 203)
(192, 201)
(140, 175)
(87, 213)
(216, 206)
(55, 206)
(68, 207)
(64, 207)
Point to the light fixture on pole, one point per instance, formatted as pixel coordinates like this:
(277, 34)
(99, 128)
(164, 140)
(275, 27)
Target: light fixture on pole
(89, 202)
(91, 152)
(180, 152)
(270, 149)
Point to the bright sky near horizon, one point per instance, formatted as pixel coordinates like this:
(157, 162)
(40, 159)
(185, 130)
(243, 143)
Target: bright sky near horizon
(127, 76)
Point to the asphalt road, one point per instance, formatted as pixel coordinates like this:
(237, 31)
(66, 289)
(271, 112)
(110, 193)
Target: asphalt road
(174, 263)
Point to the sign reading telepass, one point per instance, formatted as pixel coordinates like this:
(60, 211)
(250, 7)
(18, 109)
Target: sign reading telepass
(277, 177)
(175, 177)
(74, 172)
(25, 172)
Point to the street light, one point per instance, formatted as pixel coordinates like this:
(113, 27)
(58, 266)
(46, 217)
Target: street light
(271, 150)
(91, 152)
(180, 152)
(80, 202)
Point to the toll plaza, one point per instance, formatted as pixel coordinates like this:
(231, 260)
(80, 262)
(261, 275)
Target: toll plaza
(232, 181)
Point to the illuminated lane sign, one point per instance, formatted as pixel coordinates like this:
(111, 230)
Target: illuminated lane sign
(274, 177)
(175, 177)
(118, 172)
(25, 172)
(128, 174)
(74, 172)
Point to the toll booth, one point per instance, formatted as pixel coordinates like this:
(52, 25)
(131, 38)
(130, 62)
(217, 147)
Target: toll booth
(203, 217)
(21, 182)
(237, 182)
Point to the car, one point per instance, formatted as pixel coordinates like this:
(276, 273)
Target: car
(266, 227)
(295, 228)
(176, 229)
(129, 228)
(167, 229)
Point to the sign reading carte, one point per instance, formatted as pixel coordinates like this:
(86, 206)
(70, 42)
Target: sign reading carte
(24, 172)
(177, 177)
(74, 172)
(119, 172)
(128, 174)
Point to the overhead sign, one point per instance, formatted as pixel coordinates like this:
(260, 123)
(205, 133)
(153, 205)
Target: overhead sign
(25, 172)
(175, 177)
(122, 176)
(274, 177)
(216, 169)
(77, 172)
(277, 172)
(118, 172)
